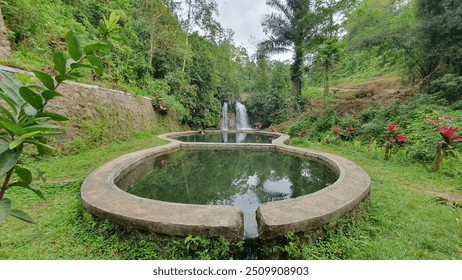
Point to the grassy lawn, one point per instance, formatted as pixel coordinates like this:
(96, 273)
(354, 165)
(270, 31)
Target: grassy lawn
(401, 220)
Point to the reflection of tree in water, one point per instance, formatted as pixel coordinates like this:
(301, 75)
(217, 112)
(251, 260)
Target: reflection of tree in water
(219, 176)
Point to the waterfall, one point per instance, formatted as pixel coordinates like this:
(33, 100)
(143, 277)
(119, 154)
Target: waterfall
(224, 114)
(231, 120)
(242, 119)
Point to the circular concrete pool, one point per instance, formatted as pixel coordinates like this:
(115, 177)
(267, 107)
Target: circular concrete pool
(104, 195)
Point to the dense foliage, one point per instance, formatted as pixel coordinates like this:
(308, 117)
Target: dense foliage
(161, 55)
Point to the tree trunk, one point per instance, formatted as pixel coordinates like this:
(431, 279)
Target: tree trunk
(188, 23)
(294, 101)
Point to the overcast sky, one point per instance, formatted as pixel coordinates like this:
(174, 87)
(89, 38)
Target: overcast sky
(244, 18)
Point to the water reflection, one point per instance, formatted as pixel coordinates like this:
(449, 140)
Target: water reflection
(243, 179)
(228, 138)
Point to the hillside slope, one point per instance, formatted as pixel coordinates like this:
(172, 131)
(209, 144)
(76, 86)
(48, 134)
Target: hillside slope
(352, 97)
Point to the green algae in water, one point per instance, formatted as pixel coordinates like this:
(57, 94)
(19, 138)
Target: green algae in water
(243, 179)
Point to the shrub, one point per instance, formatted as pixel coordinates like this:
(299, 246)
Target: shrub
(448, 87)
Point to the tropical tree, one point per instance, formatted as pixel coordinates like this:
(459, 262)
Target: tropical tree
(201, 13)
(294, 23)
(441, 33)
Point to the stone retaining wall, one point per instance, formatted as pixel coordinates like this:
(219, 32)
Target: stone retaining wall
(5, 49)
(99, 115)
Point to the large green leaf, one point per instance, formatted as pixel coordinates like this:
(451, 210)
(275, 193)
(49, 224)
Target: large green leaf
(39, 144)
(73, 46)
(46, 79)
(50, 94)
(11, 127)
(15, 143)
(30, 134)
(60, 62)
(5, 209)
(61, 78)
(53, 116)
(31, 97)
(35, 189)
(90, 49)
(98, 66)
(4, 147)
(22, 216)
(41, 127)
(8, 160)
(24, 174)
(10, 90)
(81, 65)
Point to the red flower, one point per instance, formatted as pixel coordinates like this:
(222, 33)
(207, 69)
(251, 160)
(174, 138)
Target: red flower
(448, 118)
(349, 130)
(401, 138)
(448, 134)
(404, 118)
(424, 121)
(337, 130)
(391, 127)
(258, 125)
(448, 131)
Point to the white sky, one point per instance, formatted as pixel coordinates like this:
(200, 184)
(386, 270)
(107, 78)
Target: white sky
(244, 18)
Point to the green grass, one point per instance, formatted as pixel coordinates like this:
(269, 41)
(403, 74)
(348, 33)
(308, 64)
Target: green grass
(77, 167)
(401, 219)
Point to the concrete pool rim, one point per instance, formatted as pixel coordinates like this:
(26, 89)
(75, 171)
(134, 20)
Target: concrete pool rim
(103, 198)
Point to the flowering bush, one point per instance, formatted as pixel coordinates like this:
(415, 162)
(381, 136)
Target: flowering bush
(444, 147)
(393, 138)
(337, 131)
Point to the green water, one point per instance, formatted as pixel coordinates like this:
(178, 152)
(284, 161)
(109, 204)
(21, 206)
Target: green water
(228, 138)
(240, 178)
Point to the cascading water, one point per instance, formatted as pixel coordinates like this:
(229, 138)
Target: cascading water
(239, 121)
(242, 119)
(224, 115)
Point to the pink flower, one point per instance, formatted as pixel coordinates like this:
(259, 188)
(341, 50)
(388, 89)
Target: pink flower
(401, 138)
(424, 121)
(448, 118)
(391, 127)
(433, 123)
(337, 130)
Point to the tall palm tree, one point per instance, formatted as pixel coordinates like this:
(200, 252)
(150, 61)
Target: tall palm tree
(294, 23)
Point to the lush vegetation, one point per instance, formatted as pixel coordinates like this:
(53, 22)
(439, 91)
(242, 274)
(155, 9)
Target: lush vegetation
(187, 64)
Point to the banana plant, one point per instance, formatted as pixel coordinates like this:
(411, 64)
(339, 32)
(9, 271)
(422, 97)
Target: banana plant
(24, 116)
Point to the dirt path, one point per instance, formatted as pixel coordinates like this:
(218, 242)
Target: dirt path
(352, 98)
